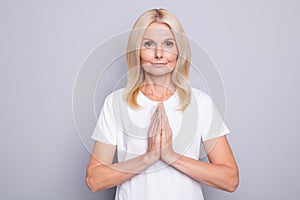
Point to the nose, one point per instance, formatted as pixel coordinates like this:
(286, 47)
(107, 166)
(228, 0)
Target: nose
(158, 53)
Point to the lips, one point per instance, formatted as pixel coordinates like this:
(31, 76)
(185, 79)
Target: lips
(159, 64)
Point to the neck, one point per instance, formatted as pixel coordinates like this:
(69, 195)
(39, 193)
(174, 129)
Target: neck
(158, 88)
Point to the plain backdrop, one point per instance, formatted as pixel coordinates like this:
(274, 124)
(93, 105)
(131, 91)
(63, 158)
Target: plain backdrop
(255, 45)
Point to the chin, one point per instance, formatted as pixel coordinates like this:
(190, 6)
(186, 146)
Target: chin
(158, 70)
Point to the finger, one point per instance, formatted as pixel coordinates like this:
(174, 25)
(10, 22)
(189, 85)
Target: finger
(155, 114)
(164, 115)
(158, 140)
(155, 143)
(163, 134)
(154, 128)
(156, 122)
(159, 107)
(167, 131)
(164, 139)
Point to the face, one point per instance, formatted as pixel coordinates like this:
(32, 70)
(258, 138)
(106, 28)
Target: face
(158, 51)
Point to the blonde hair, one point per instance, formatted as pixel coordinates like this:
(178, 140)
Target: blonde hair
(136, 74)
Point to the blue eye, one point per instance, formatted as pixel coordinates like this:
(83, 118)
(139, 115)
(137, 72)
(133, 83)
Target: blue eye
(149, 44)
(169, 44)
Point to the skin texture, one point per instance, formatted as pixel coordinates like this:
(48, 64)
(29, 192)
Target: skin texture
(158, 59)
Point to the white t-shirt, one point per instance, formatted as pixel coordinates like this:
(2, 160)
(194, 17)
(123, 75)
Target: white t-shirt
(120, 125)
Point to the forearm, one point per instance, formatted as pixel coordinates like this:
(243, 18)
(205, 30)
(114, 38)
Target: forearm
(106, 176)
(216, 175)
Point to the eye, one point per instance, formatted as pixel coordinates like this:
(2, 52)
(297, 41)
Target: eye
(169, 44)
(149, 44)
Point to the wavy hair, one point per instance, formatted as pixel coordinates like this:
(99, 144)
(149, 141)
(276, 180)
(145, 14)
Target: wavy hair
(136, 74)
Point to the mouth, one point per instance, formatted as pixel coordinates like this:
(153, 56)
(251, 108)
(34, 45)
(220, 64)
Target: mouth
(159, 64)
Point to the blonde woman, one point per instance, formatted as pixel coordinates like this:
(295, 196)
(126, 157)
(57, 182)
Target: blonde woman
(158, 123)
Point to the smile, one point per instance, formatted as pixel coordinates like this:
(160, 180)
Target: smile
(159, 64)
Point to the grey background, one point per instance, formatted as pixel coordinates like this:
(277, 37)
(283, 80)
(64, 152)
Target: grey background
(255, 45)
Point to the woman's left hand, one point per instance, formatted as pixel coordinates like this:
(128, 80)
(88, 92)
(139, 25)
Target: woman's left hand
(167, 153)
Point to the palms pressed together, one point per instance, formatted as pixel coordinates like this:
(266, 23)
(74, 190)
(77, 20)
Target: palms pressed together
(160, 136)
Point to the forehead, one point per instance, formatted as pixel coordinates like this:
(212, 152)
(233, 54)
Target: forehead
(158, 31)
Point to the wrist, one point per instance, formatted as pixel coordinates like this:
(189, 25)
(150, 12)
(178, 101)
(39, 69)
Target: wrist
(150, 157)
(170, 157)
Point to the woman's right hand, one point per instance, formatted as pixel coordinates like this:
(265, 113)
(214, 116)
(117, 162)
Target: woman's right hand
(103, 174)
(154, 134)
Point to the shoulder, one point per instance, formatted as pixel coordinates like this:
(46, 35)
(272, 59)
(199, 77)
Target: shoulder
(204, 100)
(114, 96)
(200, 95)
(198, 92)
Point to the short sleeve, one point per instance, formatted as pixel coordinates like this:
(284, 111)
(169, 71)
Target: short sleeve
(106, 130)
(213, 121)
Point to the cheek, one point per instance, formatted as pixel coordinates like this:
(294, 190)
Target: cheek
(145, 55)
(171, 56)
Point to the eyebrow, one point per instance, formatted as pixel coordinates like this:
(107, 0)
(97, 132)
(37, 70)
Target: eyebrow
(163, 40)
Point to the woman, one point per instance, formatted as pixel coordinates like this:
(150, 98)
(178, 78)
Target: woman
(158, 122)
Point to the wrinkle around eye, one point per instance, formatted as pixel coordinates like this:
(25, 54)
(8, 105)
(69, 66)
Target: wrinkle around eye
(168, 44)
(149, 44)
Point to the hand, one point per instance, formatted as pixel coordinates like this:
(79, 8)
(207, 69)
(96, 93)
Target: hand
(167, 153)
(154, 134)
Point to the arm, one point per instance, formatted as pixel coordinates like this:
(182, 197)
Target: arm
(221, 172)
(102, 174)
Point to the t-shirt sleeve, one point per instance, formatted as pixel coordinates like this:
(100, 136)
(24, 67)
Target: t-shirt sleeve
(105, 129)
(213, 121)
